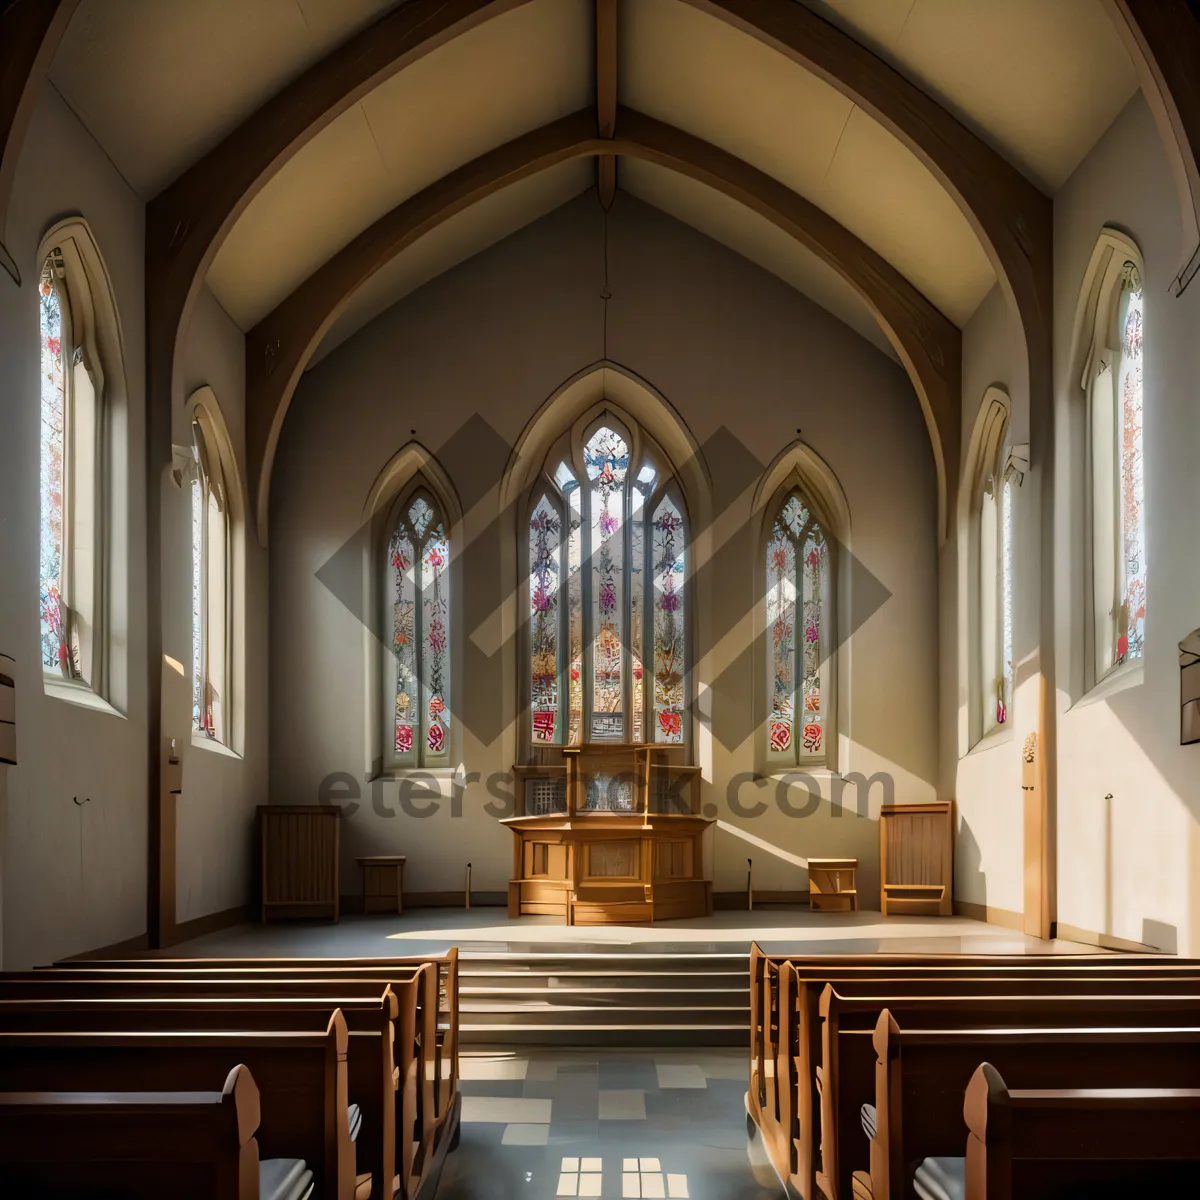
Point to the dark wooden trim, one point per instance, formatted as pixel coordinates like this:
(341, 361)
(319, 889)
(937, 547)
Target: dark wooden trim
(211, 923)
(30, 31)
(185, 225)
(160, 917)
(187, 222)
(986, 912)
(606, 97)
(1163, 39)
(351, 902)
(1011, 217)
(279, 347)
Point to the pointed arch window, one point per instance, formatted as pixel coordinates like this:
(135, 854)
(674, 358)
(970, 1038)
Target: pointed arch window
(418, 588)
(212, 585)
(607, 544)
(798, 633)
(1113, 383)
(70, 492)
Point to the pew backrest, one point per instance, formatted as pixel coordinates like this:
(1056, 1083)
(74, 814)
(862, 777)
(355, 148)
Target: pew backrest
(194, 1145)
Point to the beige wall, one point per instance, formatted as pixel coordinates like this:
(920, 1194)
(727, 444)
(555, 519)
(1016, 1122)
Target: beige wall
(727, 345)
(74, 876)
(1127, 866)
(216, 814)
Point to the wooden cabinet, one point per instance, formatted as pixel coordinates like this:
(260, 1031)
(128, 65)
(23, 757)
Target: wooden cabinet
(299, 852)
(382, 882)
(916, 859)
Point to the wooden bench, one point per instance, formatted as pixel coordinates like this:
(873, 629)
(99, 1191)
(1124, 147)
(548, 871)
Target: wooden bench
(433, 1074)
(446, 998)
(847, 1073)
(372, 1068)
(301, 1076)
(785, 1036)
(921, 1077)
(1098, 1143)
(137, 1145)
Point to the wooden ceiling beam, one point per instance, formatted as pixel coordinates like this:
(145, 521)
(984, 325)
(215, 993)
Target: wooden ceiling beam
(1011, 217)
(187, 222)
(30, 31)
(279, 347)
(1163, 39)
(606, 96)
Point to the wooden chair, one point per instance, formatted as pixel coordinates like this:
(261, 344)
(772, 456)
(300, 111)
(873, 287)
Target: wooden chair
(301, 1077)
(137, 1145)
(922, 1075)
(1098, 1143)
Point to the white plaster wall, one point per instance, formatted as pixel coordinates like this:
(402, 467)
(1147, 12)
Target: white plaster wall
(987, 777)
(74, 878)
(727, 344)
(1127, 866)
(215, 814)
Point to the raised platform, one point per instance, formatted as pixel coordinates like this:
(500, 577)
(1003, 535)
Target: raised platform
(534, 981)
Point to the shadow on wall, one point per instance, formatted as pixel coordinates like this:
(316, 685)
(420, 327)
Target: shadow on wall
(970, 881)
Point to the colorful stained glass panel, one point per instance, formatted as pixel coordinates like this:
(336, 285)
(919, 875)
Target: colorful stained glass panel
(669, 622)
(56, 654)
(545, 535)
(606, 457)
(1131, 629)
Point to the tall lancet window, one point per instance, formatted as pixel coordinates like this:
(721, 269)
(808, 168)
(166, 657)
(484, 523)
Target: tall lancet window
(70, 497)
(607, 621)
(419, 587)
(798, 577)
(1113, 378)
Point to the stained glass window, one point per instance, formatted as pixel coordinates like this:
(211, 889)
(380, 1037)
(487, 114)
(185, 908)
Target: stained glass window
(606, 456)
(609, 663)
(56, 646)
(419, 565)
(1131, 620)
(545, 537)
(797, 567)
(211, 573)
(667, 558)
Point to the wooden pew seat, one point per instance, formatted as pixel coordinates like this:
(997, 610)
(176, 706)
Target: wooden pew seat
(191, 1145)
(1095, 1143)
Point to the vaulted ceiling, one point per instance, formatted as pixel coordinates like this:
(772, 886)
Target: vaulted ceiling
(159, 85)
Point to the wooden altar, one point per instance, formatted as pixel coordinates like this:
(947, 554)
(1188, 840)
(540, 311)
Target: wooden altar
(611, 835)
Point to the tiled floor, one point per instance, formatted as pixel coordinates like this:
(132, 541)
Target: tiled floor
(617, 1124)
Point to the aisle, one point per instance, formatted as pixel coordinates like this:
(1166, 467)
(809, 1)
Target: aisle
(625, 1124)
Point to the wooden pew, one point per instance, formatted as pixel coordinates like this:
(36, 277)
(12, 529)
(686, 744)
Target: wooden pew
(848, 1055)
(428, 1081)
(301, 1077)
(137, 1145)
(372, 1069)
(445, 993)
(785, 1035)
(922, 1075)
(1098, 1143)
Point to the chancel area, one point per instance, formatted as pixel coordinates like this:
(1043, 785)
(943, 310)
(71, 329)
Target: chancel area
(598, 598)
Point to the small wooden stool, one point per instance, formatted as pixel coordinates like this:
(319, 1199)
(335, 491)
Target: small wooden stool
(382, 882)
(832, 884)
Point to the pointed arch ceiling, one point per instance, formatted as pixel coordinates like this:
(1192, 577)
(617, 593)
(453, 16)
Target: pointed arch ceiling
(273, 135)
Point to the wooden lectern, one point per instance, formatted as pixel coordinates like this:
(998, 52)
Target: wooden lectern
(612, 835)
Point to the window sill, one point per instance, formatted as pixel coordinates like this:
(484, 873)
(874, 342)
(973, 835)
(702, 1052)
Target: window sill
(399, 774)
(213, 746)
(998, 735)
(1129, 674)
(80, 695)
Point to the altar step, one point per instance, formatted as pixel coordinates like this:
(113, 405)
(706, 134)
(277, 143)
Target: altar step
(610, 998)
